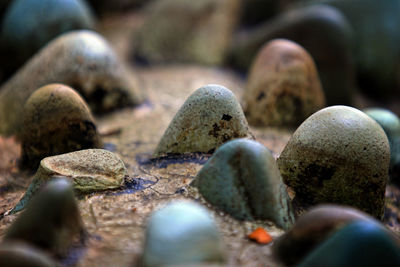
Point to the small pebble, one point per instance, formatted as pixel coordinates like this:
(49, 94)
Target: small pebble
(283, 88)
(338, 155)
(56, 120)
(181, 233)
(242, 179)
(208, 118)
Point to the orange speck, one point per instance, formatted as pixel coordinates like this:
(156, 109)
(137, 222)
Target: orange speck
(134, 209)
(260, 236)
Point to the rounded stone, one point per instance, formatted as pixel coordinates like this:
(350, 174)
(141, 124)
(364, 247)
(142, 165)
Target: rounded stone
(242, 179)
(361, 243)
(338, 155)
(311, 229)
(208, 118)
(283, 88)
(17, 254)
(80, 59)
(181, 233)
(51, 221)
(56, 120)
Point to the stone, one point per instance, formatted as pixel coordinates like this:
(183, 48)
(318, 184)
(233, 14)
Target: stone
(311, 229)
(338, 155)
(182, 233)
(187, 31)
(80, 59)
(283, 87)
(89, 170)
(243, 180)
(56, 120)
(17, 254)
(361, 243)
(208, 118)
(51, 220)
(28, 25)
(321, 30)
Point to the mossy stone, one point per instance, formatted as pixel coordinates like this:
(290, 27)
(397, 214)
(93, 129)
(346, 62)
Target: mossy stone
(208, 118)
(242, 179)
(361, 243)
(80, 59)
(311, 229)
(56, 120)
(338, 155)
(283, 87)
(182, 233)
(51, 221)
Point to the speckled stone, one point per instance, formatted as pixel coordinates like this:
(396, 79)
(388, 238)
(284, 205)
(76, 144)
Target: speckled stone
(51, 221)
(89, 170)
(361, 243)
(181, 234)
(56, 120)
(338, 155)
(80, 59)
(283, 88)
(242, 179)
(17, 254)
(311, 229)
(208, 118)
(29, 24)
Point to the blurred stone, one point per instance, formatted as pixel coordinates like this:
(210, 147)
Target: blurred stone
(187, 31)
(181, 234)
(323, 31)
(56, 120)
(361, 243)
(208, 118)
(283, 87)
(338, 155)
(51, 221)
(80, 59)
(311, 229)
(242, 179)
(29, 25)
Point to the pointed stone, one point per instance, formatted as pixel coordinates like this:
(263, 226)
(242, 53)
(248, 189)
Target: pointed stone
(51, 221)
(338, 155)
(208, 118)
(181, 234)
(283, 88)
(89, 170)
(56, 120)
(242, 179)
(80, 59)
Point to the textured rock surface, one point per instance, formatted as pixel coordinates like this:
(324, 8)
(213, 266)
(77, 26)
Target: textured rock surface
(311, 229)
(338, 155)
(187, 31)
(56, 120)
(208, 118)
(180, 234)
(361, 243)
(242, 179)
(283, 87)
(51, 221)
(80, 59)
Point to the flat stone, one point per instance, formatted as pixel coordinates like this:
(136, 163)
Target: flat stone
(242, 179)
(283, 87)
(208, 118)
(338, 155)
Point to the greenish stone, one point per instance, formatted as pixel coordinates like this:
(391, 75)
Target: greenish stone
(361, 243)
(208, 118)
(56, 120)
(338, 155)
(51, 220)
(242, 179)
(181, 234)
